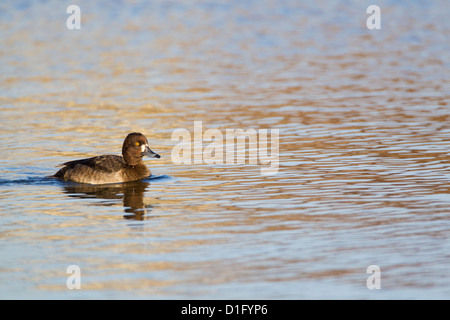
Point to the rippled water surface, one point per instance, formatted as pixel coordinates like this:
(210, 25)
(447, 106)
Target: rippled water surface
(364, 136)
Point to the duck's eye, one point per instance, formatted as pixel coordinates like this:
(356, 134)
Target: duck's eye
(136, 143)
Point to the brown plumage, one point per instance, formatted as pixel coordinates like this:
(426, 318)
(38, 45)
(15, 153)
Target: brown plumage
(111, 168)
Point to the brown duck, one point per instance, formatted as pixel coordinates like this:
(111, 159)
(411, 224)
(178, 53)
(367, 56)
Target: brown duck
(111, 168)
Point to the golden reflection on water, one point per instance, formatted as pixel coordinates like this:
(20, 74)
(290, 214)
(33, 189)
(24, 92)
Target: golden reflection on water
(132, 195)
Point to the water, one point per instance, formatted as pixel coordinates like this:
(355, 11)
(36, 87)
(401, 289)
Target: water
(363, 175)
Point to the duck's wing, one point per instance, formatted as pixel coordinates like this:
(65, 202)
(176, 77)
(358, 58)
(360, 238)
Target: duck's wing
(106, 163)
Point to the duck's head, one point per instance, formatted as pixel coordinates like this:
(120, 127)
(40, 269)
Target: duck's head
(135, 147)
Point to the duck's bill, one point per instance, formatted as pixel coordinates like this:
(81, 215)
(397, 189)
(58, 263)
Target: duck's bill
(149, 153)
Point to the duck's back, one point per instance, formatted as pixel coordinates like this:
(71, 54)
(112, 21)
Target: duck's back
(96, 170)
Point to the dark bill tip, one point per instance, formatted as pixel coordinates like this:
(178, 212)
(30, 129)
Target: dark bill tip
(149, 153)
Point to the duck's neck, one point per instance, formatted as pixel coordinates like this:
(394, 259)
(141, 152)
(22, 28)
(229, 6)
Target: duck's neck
(132, 160)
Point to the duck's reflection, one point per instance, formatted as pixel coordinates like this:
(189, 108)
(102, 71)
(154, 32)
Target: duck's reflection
(131, 193)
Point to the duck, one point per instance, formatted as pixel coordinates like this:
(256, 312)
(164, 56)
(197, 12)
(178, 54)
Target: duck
(106, 169)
